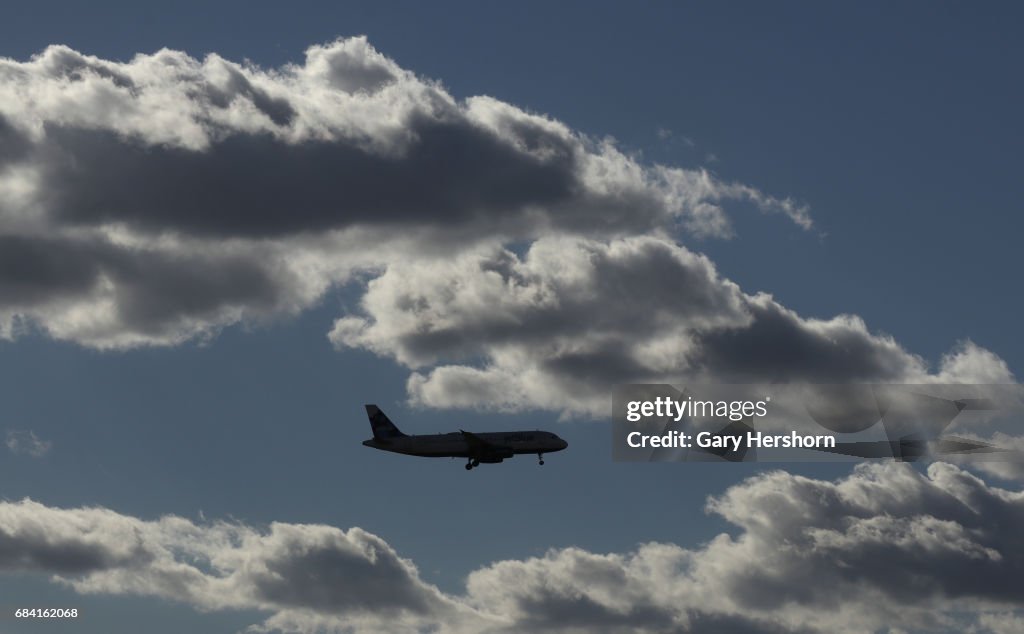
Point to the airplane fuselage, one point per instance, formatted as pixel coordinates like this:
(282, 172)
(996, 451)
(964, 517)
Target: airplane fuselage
(457, 445)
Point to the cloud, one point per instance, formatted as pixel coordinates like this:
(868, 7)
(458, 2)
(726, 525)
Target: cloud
(25, 441)
(556, 327)
(884, 547)
(512, 262)
(294, 571)
(113, 173)
(104, 294)
(1012, 467)
(1004, 623)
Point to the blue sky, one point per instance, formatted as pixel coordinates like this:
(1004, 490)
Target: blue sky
(897, 126)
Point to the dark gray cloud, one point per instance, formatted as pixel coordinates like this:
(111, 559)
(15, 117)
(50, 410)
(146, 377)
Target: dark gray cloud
(887, 535)
(566, 289)
(884, 547)
(135, 292)
(262, 186)
(705, 623)
(34, 270)
(778, 345)
(157, 200)
(354, 66)
(14, 145)
(237, 86)
(28, 543)
(35, 552)
(166, 143)
(323, 572)
(291, 571)
(64, 63)
(557, 327)
(154, 293)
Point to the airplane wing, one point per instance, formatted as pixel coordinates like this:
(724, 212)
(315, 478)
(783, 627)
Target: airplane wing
(906, 413)
(910, 449)
(480, 448)
(477, 444)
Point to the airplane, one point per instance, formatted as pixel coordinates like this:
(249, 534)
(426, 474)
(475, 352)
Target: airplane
(477, 449)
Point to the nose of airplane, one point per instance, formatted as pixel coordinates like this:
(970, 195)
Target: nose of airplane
(562, 444)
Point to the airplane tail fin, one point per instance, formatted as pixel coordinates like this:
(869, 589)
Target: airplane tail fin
(382, 426)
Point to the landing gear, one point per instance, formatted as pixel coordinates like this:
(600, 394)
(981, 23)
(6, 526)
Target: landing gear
(472, 463)
(540, 458)
(469, 466)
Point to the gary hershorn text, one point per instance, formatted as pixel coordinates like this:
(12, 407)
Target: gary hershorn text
(709, 440)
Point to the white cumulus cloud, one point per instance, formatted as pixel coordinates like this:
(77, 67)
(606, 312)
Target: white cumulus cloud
(158, 200)
(884, 547)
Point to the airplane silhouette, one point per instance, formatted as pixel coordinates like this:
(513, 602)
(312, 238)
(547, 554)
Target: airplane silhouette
(489, 447)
